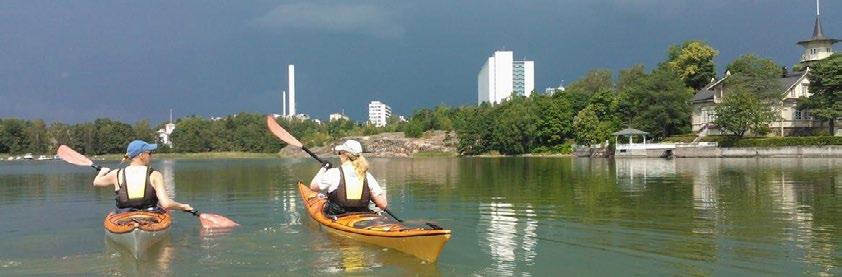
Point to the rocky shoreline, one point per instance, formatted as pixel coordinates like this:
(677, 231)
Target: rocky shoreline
(391, 145)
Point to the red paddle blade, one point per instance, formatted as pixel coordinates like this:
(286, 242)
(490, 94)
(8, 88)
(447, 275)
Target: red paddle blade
(279, 132)
(213, 221)
(71, 156)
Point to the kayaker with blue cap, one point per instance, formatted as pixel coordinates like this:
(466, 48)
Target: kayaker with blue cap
(350, 187)
(138, 186)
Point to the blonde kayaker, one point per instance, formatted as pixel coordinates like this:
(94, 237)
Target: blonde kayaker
(138, 186)
(350, 187)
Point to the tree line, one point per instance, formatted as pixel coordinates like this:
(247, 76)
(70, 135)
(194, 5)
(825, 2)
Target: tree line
(243, 132)
(587, 112)
(658, 101)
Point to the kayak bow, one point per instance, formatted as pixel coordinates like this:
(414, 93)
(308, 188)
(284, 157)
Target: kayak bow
(137, 231)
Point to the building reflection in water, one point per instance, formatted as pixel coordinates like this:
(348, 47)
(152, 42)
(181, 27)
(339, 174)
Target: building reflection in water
(783, 197)
(510, 234)
(632, 174)
(169, 176)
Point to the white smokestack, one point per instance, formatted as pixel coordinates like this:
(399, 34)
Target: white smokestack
(292, 89)
(284, 94)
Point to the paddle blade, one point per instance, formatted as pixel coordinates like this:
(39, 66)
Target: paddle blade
(282, 134)
(215, 221)
(73, 157)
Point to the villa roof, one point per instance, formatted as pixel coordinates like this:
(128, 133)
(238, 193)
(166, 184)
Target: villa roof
(629, 132)
(703, 95)
(790, 79)
(786, 82)
(818, 35)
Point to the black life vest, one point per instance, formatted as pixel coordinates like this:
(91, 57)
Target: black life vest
(148, 200)
(339, 196)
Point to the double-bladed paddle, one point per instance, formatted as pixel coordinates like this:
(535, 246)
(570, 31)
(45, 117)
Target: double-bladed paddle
(208, 220)
(286, 137)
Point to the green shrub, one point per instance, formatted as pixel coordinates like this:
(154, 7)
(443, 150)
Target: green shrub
(728, 141)
(680, 138)
(565, 148)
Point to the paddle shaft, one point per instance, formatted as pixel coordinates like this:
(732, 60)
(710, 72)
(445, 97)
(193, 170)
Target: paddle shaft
(312, 154)
(393, 216)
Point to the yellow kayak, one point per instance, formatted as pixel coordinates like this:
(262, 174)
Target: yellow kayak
(370, 227)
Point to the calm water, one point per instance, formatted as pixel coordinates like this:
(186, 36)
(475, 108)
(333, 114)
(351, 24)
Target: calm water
(509, 216)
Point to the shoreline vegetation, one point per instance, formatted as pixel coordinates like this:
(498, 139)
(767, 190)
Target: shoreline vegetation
(656, 100)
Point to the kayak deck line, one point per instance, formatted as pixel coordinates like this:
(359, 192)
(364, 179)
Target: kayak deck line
(377, 229)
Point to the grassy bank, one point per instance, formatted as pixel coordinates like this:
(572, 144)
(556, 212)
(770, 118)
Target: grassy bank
(430, 154)
(196, 156)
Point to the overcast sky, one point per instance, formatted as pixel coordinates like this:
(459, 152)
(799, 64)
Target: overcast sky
(75, 61)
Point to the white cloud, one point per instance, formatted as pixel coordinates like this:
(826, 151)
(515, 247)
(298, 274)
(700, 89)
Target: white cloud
(340, 17)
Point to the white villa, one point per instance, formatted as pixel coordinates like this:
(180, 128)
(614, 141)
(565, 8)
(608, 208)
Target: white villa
(793, 85)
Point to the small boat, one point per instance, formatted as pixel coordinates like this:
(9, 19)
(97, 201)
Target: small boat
(422, 242)
(27, 156)
(138, 230)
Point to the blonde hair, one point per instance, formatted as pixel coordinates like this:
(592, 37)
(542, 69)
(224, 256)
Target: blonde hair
(360, 165)
(125, 158)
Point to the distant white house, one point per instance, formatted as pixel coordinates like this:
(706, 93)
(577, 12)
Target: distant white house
(164, 133)
(337, 116)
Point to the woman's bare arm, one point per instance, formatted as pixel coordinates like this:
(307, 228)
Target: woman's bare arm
(105, 178)
(380, 201)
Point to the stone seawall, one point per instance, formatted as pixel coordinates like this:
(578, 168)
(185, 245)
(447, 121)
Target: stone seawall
(742, 152)
(389, 145)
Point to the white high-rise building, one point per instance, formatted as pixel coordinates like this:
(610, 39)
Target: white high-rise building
(292, 90)
(501, 76)
(378, 113)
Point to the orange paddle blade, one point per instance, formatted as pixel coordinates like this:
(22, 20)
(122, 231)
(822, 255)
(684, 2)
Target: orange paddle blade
(214, 221)
(71, 156)
(282, 134)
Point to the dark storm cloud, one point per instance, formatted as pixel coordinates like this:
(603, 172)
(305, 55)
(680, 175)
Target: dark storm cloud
(78, 60)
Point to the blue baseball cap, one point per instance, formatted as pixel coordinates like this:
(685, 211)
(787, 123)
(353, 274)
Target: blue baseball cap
(138, 146)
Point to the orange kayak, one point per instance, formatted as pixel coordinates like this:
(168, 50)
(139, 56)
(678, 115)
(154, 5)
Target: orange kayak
(137, 231)
(422, 242)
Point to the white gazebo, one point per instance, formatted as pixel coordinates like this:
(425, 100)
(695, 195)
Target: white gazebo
(630, 133)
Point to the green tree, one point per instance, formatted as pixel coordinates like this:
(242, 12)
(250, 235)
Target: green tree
(693, 62)
(13, 138)
(742, 111)
(589, 129)
(111, 136)
(658, 103)
(593, 81)
(59, 134)
(515, 129)
(143, 131)
(757, 75)
(555, 119)
(191, 135)
(83, 138)
(37, 136)
(825, 101)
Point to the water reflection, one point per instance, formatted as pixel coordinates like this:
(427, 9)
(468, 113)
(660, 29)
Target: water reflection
(509, 216)
(632, 174)
(166, 169)
(156, 261)
(510, 234)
